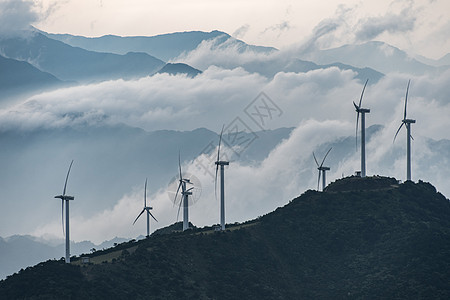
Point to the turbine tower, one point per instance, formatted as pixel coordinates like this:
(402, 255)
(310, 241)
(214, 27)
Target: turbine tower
(147, 209)
(185, 193)
(363, 112)
(66, 198)
(221, 163)
(407, 123)
(322, 170)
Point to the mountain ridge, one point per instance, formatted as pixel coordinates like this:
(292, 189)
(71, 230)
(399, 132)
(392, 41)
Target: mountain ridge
(77, 64)
(359, 244)
(164, 46)
(374, 54)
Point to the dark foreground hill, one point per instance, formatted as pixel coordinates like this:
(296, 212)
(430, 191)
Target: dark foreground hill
(389, 242)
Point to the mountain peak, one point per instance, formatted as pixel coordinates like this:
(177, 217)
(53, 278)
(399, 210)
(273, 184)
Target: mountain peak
(179, 68)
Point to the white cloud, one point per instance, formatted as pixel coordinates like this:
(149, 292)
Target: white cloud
(17, 16)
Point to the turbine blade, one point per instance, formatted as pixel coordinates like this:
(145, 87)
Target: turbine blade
(176, 194)
(190, 189)
(145, 193)
(179, 207)
(356, 132)
(406, 100)
(62, 216)
(67, 177)
(139, 216)
(318, 180)
(362, 94)
(179, 164)
(152, 216)
(411, 137)
(315, 159)
(397, 132)
(220, 141)
(215, 182)
(356, 106)
(325, 156)
(218, 159)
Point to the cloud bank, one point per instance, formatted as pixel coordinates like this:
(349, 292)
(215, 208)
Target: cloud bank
(317, 103)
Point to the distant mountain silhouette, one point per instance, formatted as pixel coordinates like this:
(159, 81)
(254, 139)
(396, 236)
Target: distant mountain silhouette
(376, 55)
(383, 241)
(76, 64)
(179, 68)
(164, 46)
(170, 46)
(18, 77)
(298, 65)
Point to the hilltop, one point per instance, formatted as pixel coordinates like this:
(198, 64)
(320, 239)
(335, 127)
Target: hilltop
(381, 241)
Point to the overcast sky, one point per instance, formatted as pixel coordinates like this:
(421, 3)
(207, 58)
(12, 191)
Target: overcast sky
(417, 26)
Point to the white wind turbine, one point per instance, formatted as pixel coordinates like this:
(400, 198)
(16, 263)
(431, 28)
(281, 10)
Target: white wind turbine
(221, 163)
(322, 170)
(407, 123)
(185, 193)
(66, 198)
(362, 111)
(147, 209)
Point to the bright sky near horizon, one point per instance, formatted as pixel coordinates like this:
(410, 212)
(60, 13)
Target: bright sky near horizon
(416, 26)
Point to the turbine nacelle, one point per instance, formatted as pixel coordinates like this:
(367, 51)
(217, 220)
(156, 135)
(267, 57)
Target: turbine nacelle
(323, 168)
(222, 163)
(408, 121)
(364, 110)
(64, 197)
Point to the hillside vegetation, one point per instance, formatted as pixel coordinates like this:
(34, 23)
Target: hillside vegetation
(373, 243)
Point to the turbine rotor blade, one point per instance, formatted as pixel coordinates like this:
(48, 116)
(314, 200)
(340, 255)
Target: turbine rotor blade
(176, 194)
(318, 180)
(139, 216)
(179, 207)
(179, 164)
(220, 141)
(67, 177)
(145, 193)
(364, 88)
(356, 132)
(325, 157)
(315, 159)
(406, 99)
(215, 181)
(152, 216)
(218, 159)
(62, 216)
(398, 130)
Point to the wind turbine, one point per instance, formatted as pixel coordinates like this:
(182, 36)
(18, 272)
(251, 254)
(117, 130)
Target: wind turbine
(407, 123)
(362, 111)
(185, 193)
(147, 209)
(221, 163)
(66, 198)
(322, 170)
